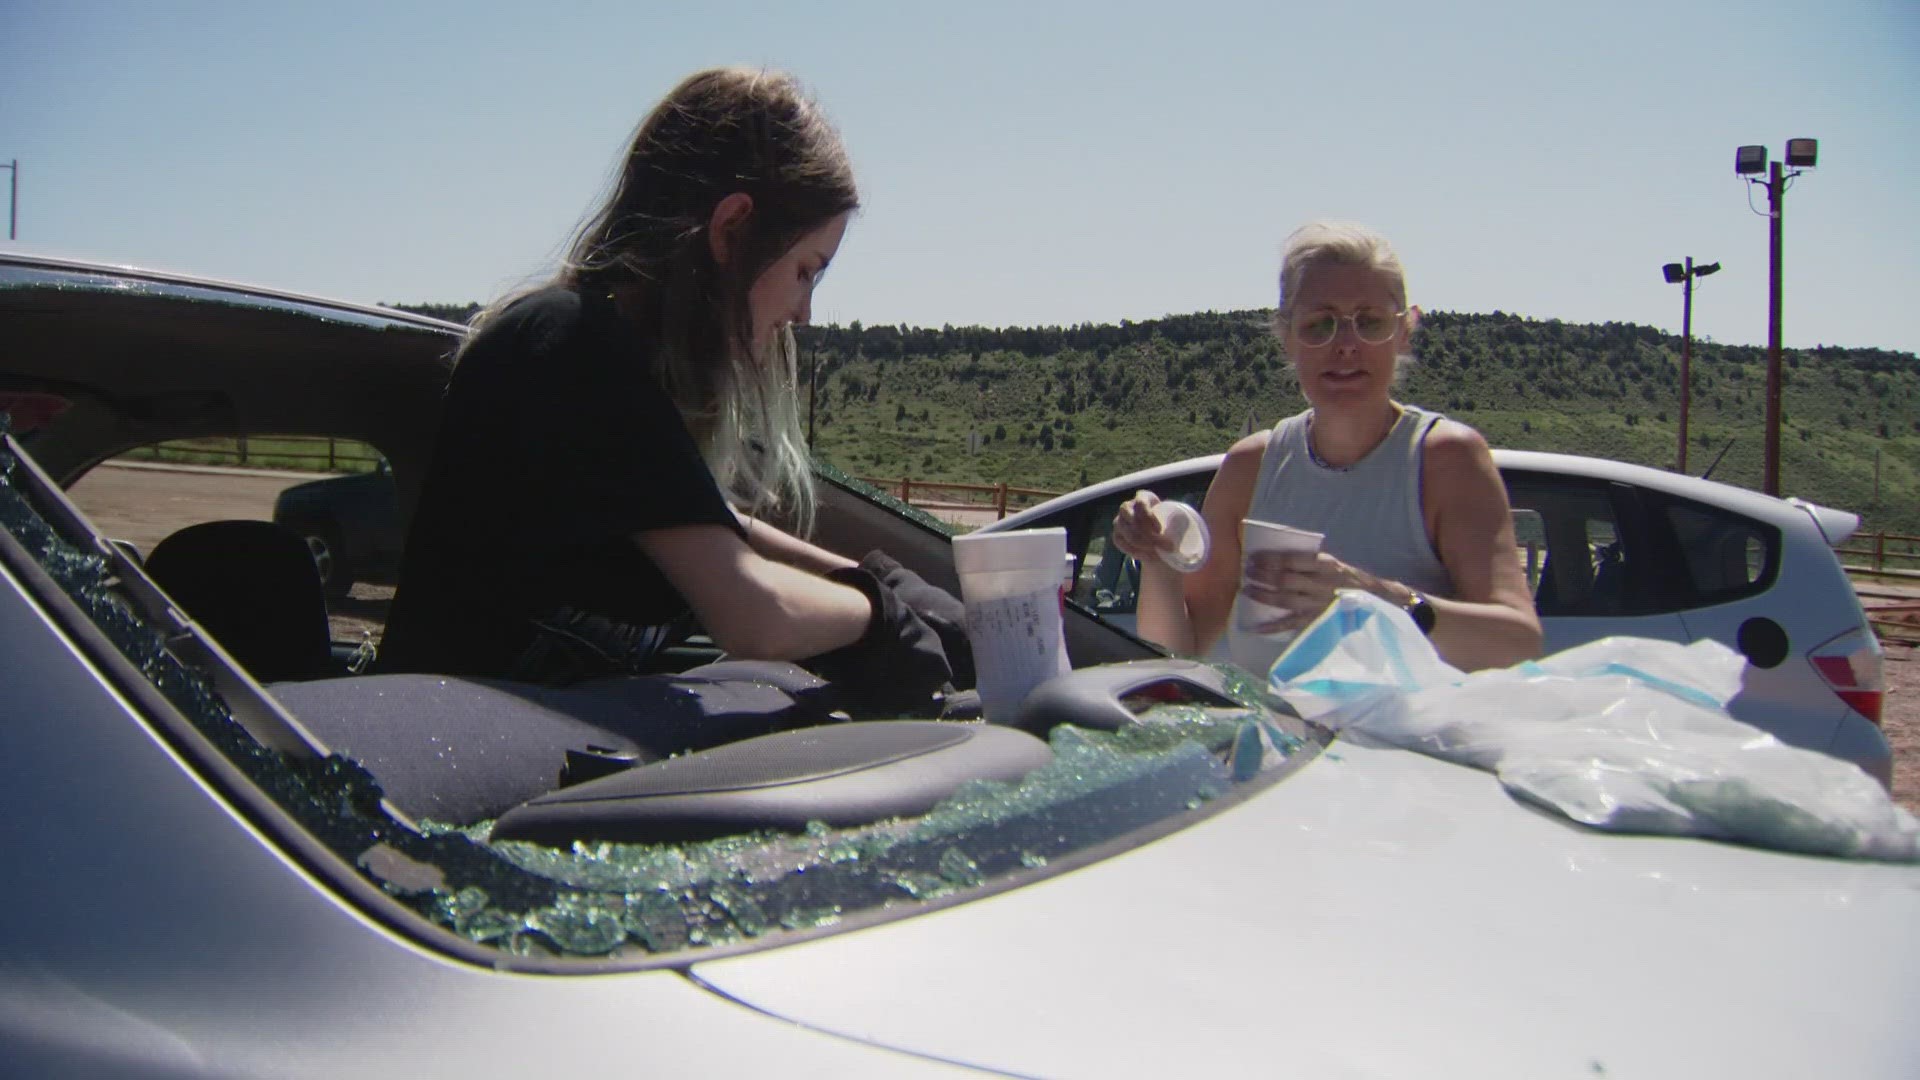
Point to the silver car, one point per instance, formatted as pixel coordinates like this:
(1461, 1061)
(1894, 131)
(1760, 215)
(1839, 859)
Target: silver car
(217, 865)
(1617, 549)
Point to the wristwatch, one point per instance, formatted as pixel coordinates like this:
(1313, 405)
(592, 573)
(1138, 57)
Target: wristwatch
(1420, 610)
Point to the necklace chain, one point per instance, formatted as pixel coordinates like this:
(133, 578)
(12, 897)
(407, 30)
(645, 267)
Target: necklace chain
(1314, 455)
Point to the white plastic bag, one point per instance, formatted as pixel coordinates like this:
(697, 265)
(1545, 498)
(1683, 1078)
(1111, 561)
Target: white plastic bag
(1626, 734)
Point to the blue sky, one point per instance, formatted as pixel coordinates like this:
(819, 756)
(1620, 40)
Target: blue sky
(1020, 163)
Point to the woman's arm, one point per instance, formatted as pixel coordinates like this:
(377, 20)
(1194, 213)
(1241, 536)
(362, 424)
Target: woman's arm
(784, 547)
(1187, 613)
(752, 606)
(1490, 620)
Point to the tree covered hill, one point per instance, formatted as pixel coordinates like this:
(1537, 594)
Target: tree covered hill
(1055, 407)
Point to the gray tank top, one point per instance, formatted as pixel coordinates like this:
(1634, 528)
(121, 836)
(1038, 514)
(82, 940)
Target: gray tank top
(1370, 512)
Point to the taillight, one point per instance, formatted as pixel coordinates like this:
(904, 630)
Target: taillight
(1852, 665)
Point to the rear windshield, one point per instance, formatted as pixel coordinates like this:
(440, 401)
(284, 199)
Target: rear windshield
(586, 905)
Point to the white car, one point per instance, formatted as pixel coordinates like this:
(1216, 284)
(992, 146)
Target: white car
(216, 868)
(1617, 549)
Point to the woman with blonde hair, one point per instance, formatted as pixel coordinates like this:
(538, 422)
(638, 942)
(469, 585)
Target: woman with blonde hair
(1409, 502)
(577, 514)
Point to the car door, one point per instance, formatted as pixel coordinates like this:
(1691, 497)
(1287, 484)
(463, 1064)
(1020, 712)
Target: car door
(1593, 561)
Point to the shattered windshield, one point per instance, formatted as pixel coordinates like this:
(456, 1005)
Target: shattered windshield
(542, 908)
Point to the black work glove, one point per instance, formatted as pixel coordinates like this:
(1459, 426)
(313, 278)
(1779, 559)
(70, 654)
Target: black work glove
(897, 666)
(936, 607)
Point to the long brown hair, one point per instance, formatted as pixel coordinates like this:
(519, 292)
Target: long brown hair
(720, 131)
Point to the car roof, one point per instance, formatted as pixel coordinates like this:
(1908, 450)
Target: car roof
(1785, 513)
(237, 292)
(147, 355)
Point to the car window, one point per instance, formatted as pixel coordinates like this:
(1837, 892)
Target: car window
(1725, 555)
(1530, 537)
(335, 494)
(1108, 581)
(1581, 562)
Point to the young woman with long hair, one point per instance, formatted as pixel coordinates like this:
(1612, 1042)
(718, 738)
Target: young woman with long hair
(600, 428)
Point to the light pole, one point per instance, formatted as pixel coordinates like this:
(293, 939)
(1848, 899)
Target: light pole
(13, 199)
(1684, 275)
(1748, 161)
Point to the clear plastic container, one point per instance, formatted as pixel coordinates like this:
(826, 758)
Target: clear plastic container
(1188, 530)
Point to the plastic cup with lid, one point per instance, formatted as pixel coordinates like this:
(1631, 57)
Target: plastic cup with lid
(1010, 584)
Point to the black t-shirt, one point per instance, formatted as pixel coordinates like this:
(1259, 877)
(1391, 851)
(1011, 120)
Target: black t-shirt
(556, 445)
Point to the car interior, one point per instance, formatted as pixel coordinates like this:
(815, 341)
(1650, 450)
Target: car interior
(463, 750)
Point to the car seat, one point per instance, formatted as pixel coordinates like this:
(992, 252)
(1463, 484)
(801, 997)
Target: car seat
(1609, 593)
(1546, 594)
(254, 587)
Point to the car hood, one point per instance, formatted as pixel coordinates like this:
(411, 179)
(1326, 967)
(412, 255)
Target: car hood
(1386, 914)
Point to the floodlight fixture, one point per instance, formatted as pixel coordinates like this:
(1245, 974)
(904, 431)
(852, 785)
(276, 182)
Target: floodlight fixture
(1674, 272)
(1748, 160)
(1801, 153)
(1706, 268)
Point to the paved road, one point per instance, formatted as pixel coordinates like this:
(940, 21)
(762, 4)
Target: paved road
(142, 504)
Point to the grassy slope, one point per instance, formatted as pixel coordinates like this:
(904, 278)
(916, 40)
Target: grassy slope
(1111, 399)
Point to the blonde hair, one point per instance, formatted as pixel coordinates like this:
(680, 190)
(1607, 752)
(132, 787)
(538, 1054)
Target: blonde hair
(720, 131)
(1337, 243)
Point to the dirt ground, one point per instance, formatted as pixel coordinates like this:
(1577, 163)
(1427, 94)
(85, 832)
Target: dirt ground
(1900, 719)
(142, 504)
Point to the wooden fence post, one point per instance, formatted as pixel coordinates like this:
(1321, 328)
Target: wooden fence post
(1879, 550)
(1000, 499)
(242, 440)
(906, 490)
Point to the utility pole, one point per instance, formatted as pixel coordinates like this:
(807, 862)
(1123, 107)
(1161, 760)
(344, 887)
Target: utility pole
(1776, 199)
(13, 200)
(1686, 362)
(1748, 162)
(1684, 274)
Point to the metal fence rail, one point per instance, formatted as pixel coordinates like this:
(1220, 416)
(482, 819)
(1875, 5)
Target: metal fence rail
(317, 453)
(1880, 549)
(927, 494)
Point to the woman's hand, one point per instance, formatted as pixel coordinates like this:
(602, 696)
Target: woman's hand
(1303, 585)
(1137, 532)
